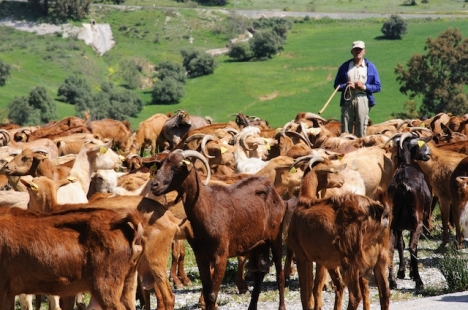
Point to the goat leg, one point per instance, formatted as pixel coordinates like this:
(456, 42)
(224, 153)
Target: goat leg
(413, 248)
(400, 244)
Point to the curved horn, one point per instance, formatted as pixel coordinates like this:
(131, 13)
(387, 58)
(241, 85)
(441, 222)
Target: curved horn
(315, 159)
(398, 134)
(231, 130)
(7, 135)
(286, 127)
(242, 140)
(306, 141)
(406, 121)
(205, 140)
(404, 136)
(193, 137)
(40, 150)
(304, 130)
(312, 116)
(192, 153)
(130, 156)
(301, 159)
(412, 129)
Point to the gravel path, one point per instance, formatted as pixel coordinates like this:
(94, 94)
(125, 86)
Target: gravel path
(403, 298)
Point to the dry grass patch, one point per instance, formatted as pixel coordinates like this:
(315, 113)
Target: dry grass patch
(269, 97)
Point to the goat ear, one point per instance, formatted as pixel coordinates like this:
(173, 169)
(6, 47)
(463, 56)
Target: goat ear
(187, 164)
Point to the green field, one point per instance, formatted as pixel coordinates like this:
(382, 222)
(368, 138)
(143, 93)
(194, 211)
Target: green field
(351, 6)
(300, 78)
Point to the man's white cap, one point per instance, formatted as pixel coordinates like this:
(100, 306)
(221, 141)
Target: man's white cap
(359, 44)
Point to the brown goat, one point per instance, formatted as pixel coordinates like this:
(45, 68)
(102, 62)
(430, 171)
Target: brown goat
(160, 228)
(35, 163)
(218, 215)
(348, 231)
(61, 128)
(148, 134)
(69, 252)
(119, 131)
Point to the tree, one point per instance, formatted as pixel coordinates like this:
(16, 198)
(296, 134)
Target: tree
(75, 9)
(439, 77)
(167, 90)
(410, 111)
(40, 100)
(38, 108)
(124, 103)
(394, 27)
(20, 111)
(169, 87)
(111, 103)
(5, 72)
(130, 72)
(198, 63)
(171, 69)
(265, 44)
(74, 88)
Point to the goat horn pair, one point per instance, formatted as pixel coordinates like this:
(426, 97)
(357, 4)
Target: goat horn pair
(242, 138)
(231, 131)
(205, 140)
(306, 141)
(6, 134)
(312, 159)
(195, 154)
(194, 137)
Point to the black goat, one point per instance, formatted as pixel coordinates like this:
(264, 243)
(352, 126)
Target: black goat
(410, 198)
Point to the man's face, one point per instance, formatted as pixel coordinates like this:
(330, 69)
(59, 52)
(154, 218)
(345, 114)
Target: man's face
(358, 52)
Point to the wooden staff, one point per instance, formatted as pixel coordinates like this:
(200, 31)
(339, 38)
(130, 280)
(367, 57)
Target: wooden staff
(329, 99)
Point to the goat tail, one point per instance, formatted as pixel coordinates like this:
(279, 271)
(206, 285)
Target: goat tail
(133, 220)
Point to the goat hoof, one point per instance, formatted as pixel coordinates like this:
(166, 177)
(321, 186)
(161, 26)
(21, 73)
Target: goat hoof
(401, 274)
(187, 282)
(419, 285)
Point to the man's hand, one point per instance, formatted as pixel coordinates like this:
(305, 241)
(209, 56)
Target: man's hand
(352, 85)
(360, 85)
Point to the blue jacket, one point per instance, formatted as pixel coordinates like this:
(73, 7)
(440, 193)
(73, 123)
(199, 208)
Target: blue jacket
(372, 84)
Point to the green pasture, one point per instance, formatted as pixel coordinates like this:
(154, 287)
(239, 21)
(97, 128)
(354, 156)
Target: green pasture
(349, 6)
(299, 78)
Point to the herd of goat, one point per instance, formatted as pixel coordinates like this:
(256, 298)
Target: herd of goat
(93, 206)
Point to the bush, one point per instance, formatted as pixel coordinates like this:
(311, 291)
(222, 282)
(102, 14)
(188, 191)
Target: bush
(171, 69)
(453, 266)
(394, 27)
(38, 108)
(5, 72)
(240, 51)
(111, 103)
(74, 88)
(130, 72)
(198, 63)
(167, 90)
(236, 24)
(265, 44)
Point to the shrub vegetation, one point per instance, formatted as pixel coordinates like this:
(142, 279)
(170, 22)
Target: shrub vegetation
(394, 27)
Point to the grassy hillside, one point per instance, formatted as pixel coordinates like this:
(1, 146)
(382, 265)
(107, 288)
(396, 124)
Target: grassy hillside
(356, 6)
(300, 78)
